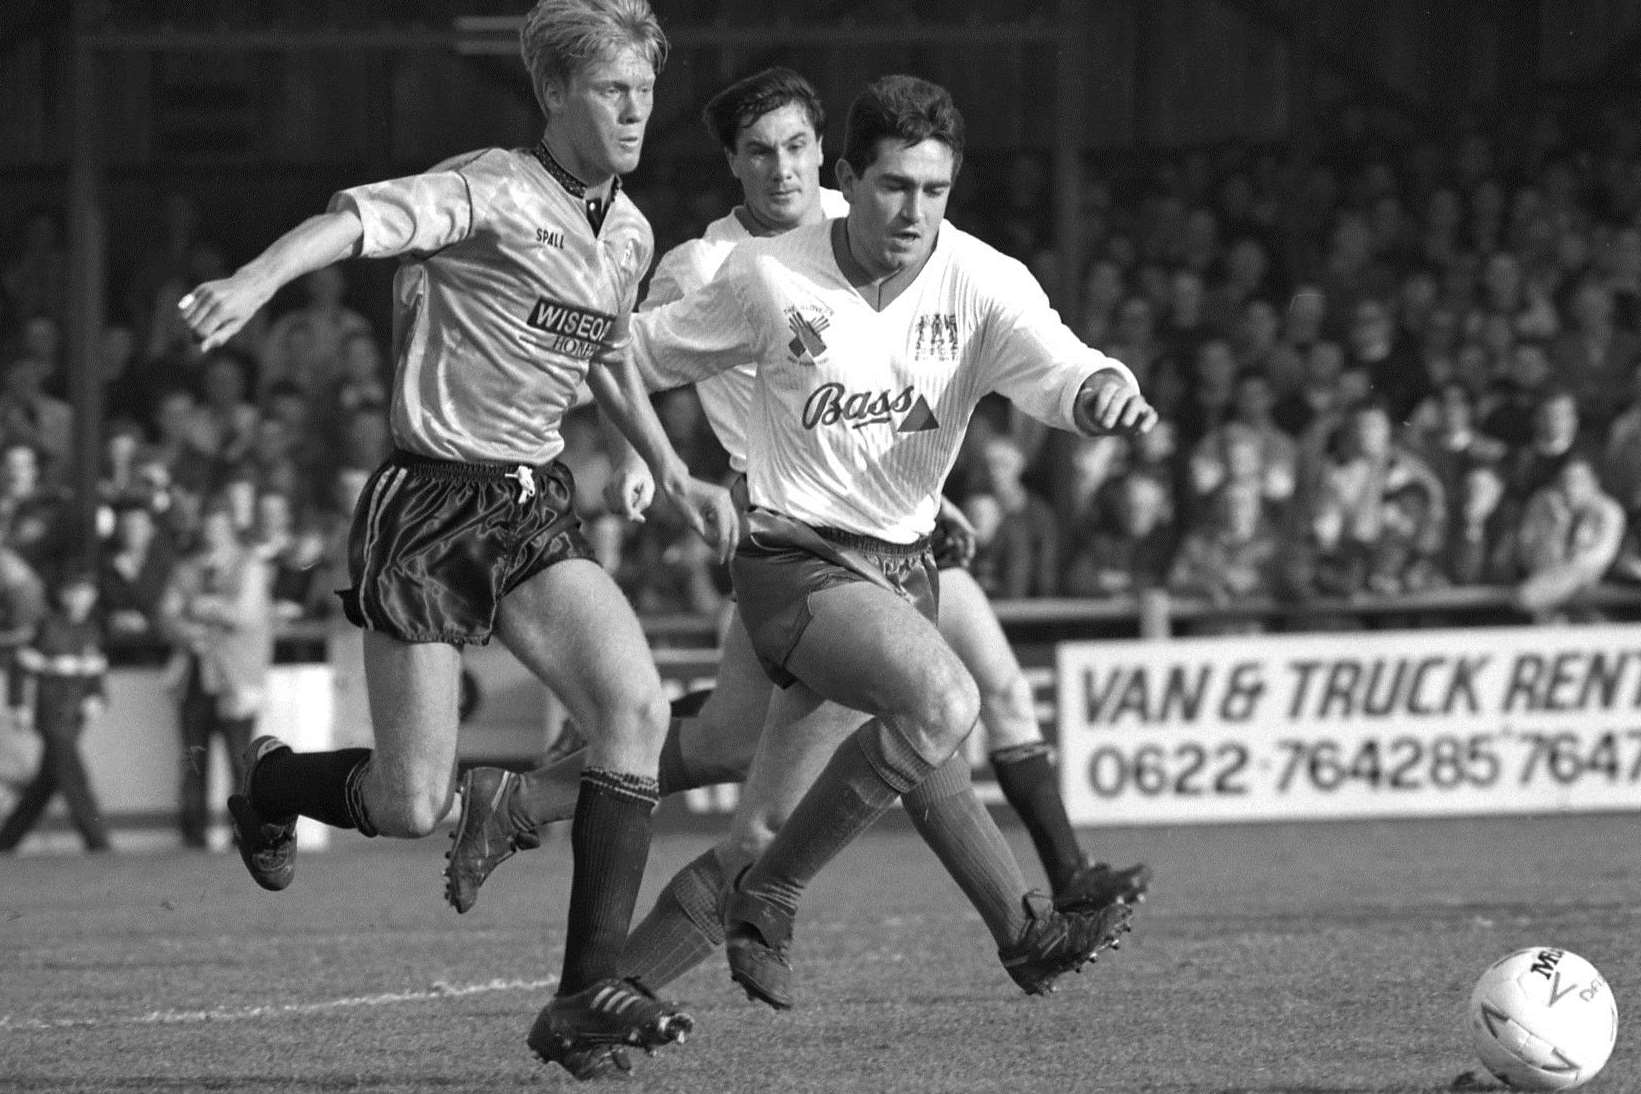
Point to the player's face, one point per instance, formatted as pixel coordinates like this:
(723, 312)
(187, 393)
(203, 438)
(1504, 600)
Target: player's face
(601, 112)
(896, 204)
(777, 162)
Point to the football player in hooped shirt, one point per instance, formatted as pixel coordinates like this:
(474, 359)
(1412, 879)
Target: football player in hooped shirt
(519, 270)
(875, 336)
(769, 125)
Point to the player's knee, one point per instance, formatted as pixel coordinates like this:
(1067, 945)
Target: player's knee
(948, 709)
(411, 810)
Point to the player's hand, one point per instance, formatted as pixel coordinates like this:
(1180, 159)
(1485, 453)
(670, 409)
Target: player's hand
(1108, 403)
(955, 539)
(711, 513)
(630, 489)
(216, 310)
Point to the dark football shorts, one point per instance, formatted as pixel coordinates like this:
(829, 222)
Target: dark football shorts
(436, 545)
(780, 562)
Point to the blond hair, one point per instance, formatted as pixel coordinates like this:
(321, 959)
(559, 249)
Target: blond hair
(561, 37)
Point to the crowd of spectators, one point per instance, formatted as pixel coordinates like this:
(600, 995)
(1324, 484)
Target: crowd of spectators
(1400, 366)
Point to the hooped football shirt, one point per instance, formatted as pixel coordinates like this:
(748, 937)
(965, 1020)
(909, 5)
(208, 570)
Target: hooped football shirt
(505, 295)
(858, 413)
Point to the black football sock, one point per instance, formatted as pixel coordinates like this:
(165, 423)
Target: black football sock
(1031, 786)
(321, 785)
(847, 799)
(610, 839)
(957, 827)
(685, 927)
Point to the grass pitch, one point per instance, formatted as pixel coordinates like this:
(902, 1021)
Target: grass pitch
(1290, 959)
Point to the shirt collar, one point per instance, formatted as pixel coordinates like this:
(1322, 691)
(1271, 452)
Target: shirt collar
(595, 208)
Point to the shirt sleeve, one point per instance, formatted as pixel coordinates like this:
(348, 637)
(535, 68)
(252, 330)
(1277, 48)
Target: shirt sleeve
(678, 272)
(1033, 358)
(701, 335)
(420, 213)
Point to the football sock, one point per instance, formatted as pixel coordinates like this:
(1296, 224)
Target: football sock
(323, 785)
(848, 798)
(957, 827)
(548, 794)
(1031, 786)
(610, 839)
(684, 928)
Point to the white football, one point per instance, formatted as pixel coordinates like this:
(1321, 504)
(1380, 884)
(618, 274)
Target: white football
(1543, 1019)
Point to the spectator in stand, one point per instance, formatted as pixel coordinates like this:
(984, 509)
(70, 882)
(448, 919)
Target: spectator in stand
(1556, 433)
(1522, 303)
(1104, 288)
(1023, 558)
(1230, 557)
(1256, 338)
(1347, 513)
(1134, 339)
(33, 515)
(1511, 400)
(1184, 327)
(1621, 455)
(1570, 536)
(27, 414)
(1248, 446)
(361, 381)
(1350, 271)
(1594, 356)
(1406, 558)
(1445, 436)
(1209, 397)
(1393, 367)
(1246, 275)
(304, 346)
(1125, 542)
(134, 570)
(293, 551)
(1480, 544)
(64, 667)
(42, 337)
(1318, 395)
(225, 420)
(219, 614)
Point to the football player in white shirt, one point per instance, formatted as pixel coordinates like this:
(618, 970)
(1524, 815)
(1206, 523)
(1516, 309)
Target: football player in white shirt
(875, 336)
(521, 267)
(770, 126)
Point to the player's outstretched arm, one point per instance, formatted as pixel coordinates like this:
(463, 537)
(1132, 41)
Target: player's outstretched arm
(1109, 403)
(619, 389)
(216, 310)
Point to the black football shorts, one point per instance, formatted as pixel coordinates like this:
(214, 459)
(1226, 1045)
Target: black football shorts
(436, 545)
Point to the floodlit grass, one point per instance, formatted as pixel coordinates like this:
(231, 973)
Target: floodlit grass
(1322, 958)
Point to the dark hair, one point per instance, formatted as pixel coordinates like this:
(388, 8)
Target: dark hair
(903, 108)
(746, 100)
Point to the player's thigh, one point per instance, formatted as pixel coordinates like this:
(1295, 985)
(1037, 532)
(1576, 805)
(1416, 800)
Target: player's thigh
(412, 689)
(726, 730)
(970, 626)
(865, 647)
(571, 626)
(798, 740)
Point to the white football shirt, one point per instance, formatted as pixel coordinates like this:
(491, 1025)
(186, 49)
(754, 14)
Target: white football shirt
(505, 294)
(858, 414)
(726, 398)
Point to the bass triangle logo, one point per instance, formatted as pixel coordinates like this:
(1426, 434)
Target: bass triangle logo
(919, 419)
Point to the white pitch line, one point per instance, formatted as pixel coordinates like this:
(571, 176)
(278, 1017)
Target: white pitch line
(239, 1014)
